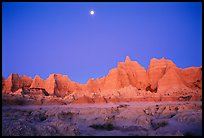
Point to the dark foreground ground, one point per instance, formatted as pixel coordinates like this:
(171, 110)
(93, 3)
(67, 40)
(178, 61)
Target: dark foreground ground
(128, 119)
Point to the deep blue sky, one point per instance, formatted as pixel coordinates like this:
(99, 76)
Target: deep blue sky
(45, 38)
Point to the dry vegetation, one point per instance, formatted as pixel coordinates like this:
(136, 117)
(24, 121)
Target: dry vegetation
(129, 119)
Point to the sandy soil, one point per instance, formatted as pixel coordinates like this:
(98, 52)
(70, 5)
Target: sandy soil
(127, 119)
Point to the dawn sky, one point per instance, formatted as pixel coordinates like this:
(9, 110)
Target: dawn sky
(49, 37)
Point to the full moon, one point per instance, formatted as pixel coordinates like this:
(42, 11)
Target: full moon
(92, 12)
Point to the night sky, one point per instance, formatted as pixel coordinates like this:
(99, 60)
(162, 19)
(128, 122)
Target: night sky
(45, 38)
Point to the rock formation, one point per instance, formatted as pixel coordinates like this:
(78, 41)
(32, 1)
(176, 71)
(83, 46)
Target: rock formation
(38, 82)
(192, 77)
(129, 81)
(134, 73)
(12, 84)
(56, 84)
(157, 69)
(50, 84)
(92, 85)
(171, 79)
(127, 73)
(25, 82)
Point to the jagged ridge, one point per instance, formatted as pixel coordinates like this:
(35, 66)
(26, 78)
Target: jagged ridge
(130, 79)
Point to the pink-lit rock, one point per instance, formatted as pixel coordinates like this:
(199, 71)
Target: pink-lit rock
(38, 82)
(12, 84)
(163, 81)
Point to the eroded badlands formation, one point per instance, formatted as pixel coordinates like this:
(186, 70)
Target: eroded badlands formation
(163, 81)
(162, 101)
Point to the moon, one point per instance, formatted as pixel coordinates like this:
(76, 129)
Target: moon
(92, 12)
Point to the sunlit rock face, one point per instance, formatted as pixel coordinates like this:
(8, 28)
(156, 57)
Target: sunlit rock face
(25, 82)
(171, 79)
(173, 82)
(38, 82)
(157, 69)
(163, 101)
(129, 81)
(12, 84)
(62, 85)
(132, 73)
(50, 84)
(56, 84)
(127, 73)
(192, 77)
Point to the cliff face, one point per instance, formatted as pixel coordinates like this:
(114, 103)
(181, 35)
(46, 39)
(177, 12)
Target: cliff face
(157, 69)
(127, 73)
(25, 82)
(163, 75)
(192, 77)
(38, 82)
(12, 84)
(162, 78)
(57, 84)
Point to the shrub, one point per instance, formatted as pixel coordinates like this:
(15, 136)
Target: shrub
(107, 126)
